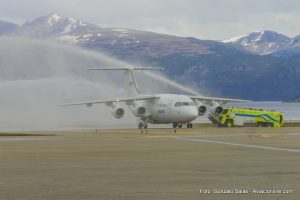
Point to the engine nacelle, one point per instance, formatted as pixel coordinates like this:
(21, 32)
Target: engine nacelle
(216, 109)
(201, 108)
(118, 112)
(138, 109)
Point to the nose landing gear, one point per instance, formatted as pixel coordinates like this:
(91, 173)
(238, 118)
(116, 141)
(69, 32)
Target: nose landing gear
(177, 125)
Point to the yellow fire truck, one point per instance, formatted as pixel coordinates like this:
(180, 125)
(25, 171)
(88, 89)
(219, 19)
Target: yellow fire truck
(238, 116)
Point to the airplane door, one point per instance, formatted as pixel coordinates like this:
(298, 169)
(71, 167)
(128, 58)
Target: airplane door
(170, 107)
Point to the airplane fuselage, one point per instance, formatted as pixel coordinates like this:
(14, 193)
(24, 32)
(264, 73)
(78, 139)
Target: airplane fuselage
(170, 108)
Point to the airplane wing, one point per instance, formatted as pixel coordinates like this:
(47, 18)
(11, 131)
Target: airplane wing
(223, 100)
(128, 101)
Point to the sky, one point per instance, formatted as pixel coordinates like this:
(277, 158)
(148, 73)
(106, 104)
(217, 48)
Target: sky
(204, 19)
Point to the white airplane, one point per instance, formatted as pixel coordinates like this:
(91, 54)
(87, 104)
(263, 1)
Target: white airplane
(159, 108)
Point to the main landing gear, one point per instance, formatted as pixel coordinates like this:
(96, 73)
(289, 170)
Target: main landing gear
(143, 126)
(189, 125)
(178, 125)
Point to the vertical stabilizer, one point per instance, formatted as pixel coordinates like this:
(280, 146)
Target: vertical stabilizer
(131, 84)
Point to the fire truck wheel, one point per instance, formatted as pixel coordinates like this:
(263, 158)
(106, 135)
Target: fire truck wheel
(229, 123)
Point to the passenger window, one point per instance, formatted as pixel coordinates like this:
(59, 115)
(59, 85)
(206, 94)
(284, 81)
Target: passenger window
(179, 104)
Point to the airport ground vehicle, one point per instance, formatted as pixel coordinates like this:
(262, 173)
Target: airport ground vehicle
(238, 116)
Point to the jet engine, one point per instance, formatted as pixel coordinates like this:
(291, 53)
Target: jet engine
(201, 108)
(216, 109)
(138, 109)
(118, 112)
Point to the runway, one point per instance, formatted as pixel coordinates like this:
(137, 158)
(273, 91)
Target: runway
(20, 139)
(162, 164)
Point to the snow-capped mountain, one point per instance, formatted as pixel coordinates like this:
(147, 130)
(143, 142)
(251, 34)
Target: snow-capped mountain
(66, 29)
(52, 25)
(295, 42)
(219, 68)
(72, 31)
(260, 42)
(293, 48)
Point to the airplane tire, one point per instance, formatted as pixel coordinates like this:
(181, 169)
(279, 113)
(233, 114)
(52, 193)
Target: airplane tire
(140, 126)
(229, 123)
(258, 124)
(179, 125)
(189, 125)
(270, 125)
(175, 125)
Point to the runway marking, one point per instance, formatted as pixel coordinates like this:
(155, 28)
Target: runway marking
(200, 136)
(20, 139)
(294, 134)
(227, 135)
(237, 144)
(154, 136)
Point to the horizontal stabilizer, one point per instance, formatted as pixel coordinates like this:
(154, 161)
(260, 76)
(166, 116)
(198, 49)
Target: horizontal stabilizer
(128, 68)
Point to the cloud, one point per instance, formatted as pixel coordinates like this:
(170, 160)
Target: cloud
(208, 19)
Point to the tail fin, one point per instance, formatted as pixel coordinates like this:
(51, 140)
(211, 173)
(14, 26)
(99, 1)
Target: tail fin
(131, 85)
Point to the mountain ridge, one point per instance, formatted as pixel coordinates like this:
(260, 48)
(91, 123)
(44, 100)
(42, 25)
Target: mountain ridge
(218, 68)
(7, 27)
(261, 42)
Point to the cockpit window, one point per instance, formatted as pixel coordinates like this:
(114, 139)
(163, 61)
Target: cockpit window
(179, 104)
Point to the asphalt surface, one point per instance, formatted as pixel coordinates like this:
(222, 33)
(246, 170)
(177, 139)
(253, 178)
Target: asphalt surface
(200, 163)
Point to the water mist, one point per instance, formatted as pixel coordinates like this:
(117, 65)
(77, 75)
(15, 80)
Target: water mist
(36, 76)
